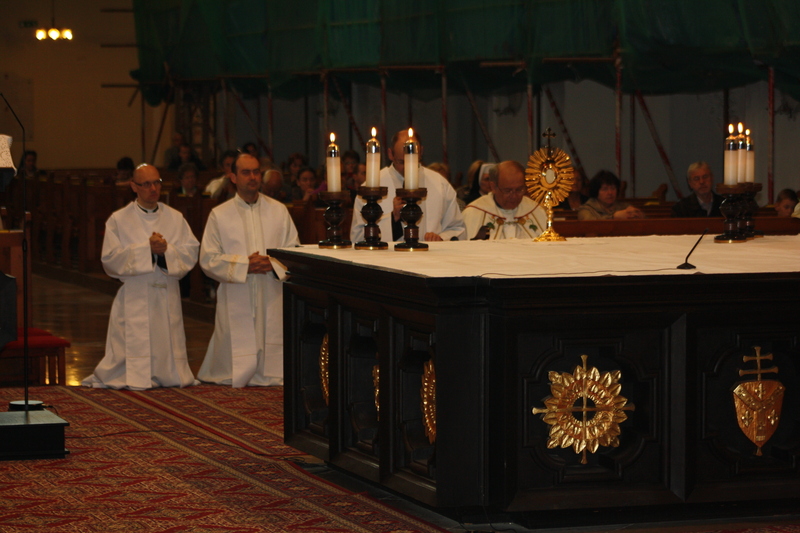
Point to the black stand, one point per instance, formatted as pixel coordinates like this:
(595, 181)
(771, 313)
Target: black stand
(334, 216)
(29, 432)
(371, 212)
(410, 214)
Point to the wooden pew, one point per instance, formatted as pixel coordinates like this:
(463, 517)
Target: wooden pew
(667, 226)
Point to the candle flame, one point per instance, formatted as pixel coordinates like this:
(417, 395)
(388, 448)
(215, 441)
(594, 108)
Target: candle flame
(410, 132)
(747, 132)
(741, 128)
(374, 132)
(333, 137)
(730, 128)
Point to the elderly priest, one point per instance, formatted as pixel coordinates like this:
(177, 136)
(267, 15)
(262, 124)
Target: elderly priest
(506, 212)
(149, 247)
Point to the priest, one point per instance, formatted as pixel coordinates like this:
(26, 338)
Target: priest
(149, 247)
(441, 217)
(247, 345)
(506, 212)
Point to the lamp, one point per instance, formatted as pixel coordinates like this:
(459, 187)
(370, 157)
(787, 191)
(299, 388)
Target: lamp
(54, 33)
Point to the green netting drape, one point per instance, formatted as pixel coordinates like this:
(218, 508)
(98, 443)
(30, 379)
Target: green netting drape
(665, 46)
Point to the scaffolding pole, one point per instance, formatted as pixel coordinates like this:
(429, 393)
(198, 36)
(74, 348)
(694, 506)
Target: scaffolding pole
(270, 124)
(349, 111)
(530, 117)
(486, 135)
(618, 112)
(771, 147)
(632, 154)
(445, 158)
(250, 122)
(383, 114)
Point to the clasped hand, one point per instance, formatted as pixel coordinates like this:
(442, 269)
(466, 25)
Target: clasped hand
(157, 244)
(259, 264)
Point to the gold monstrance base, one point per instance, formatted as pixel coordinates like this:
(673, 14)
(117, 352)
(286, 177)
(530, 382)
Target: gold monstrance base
(549, 235)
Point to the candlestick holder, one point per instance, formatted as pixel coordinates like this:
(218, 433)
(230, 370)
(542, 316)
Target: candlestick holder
(371, 212)
(410, 214)
(731, 207)
(747, 225)
(334, 215)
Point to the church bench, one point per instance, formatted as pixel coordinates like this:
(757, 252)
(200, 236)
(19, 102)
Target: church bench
(667, 226)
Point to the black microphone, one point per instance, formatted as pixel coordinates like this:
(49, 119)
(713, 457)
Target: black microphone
(686, 265)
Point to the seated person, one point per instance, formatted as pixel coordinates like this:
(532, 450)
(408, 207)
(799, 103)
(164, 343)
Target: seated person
(124, 171)
(477, 181)
(187, 177)
(576, 197)
(186, 155)
(272, 185)
(221, 187)
(306, 186)
(506, 212)
(602, 203)
(350, 161)
(703, 202)
(785, 203)
(250, 148)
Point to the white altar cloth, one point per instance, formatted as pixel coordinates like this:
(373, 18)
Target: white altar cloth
(596, 256)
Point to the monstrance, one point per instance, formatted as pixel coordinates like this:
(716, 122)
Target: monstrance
(549, 179)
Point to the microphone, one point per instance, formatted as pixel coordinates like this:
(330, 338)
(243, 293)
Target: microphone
(686, 265)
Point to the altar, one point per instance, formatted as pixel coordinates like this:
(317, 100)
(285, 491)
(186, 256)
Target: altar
(551, 377)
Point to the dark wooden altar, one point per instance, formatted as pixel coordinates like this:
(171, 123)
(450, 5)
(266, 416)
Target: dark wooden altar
(678, 342)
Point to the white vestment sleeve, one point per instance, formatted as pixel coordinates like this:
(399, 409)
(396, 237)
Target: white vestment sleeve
(226, 268)
(181, 255)
(121, 261)
(452, 222)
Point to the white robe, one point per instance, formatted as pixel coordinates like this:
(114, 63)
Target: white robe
(247, 345)
(505, 223)
(440, 211)
(146, 342)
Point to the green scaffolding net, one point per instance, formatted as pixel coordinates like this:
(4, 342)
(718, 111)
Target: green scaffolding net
(663, 46)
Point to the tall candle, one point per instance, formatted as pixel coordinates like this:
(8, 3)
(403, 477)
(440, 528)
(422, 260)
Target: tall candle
(373, 162)
(411, 161)
(333, 165)
(731, 158)
(750, 171)
(741, 165)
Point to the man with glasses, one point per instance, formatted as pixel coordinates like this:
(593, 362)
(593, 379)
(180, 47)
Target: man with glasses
(506, 212)
(703, 202)
(247, 345)
(149, 247)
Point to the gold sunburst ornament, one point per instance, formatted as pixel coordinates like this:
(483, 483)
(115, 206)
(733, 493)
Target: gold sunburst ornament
(595, 398)
(549, 179)
(428, 396)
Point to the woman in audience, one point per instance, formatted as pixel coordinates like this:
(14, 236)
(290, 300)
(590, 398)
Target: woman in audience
(478, 181)
(576, 197)
(305, 186)
(602, 203)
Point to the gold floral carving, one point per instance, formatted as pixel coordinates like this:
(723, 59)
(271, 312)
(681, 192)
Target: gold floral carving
(376, 385)
(324, 376)
(428, 396)
(758, 403)
(595, 398)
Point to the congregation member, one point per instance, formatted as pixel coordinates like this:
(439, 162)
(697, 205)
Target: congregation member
(149, 247)
(187, 177)
(185, 155)
(478, 177)
(506, 212)
(305, 189)
(602, 203)
(785, 203)
(441, 216)
(221, 187)
(246, 347)
(272, 185)
(703, 201)
(250, 148)
(575, 198)
(125, 168)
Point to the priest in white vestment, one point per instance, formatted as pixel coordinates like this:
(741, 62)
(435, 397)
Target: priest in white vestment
(247, 345)
(149, 247)
(441, 216)
(506, 212)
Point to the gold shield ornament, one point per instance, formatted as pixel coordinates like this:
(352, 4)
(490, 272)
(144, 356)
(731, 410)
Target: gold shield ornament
(758, 403)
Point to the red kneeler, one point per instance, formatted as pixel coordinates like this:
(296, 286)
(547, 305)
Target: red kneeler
(45, 347)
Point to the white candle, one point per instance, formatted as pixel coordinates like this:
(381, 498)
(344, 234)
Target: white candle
(333, 165)
(373, 162)
(750, 171)
(741, 164)
(731, 158)
(411, 162)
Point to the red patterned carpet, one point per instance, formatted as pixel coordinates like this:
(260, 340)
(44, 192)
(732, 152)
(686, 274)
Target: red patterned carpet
(201, 459)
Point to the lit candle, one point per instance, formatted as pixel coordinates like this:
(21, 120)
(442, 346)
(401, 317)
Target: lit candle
(741, 164)
(411, 161)
(373, 161)
(731, 158)
(750, 171)
(334, 166)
